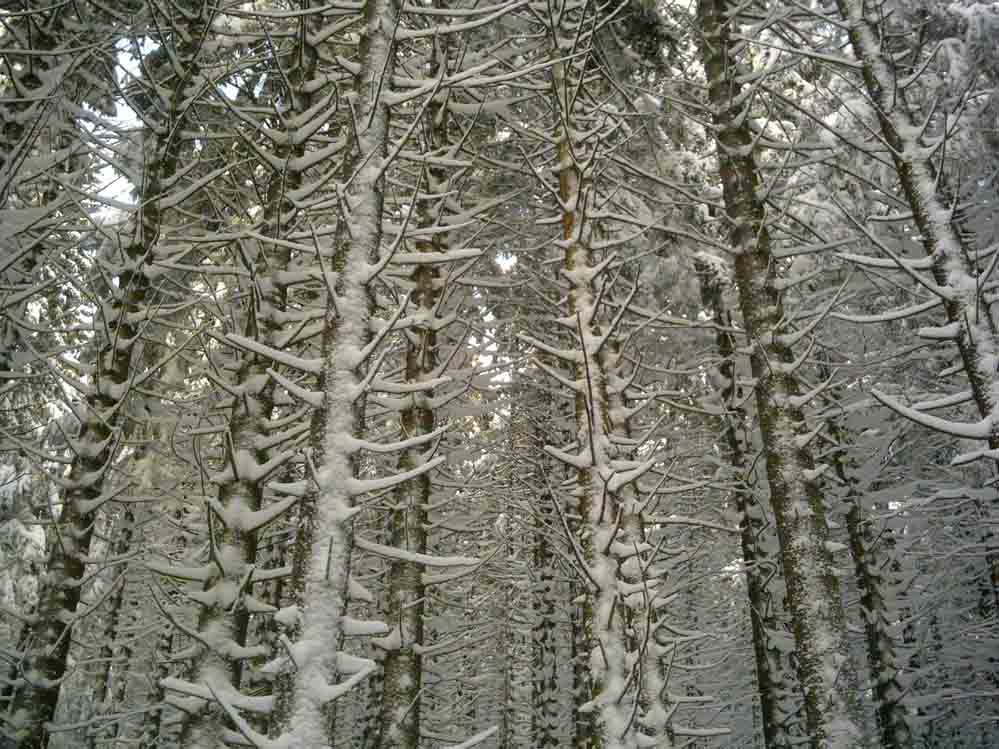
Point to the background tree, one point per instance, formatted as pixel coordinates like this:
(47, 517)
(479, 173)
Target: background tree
(447, 375)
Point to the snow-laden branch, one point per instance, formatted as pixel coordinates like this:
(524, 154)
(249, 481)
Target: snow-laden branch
(356, 487)
(309, 366)
(983, 429)
(427, 560)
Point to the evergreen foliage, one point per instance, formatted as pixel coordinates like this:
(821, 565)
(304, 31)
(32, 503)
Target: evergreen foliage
(603, 374)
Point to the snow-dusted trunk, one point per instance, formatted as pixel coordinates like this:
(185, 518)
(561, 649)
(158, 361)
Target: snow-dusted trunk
(506, 650)
(545, 714)
(938, 218)
(34, 121)
(156, 725)
(404, 599)
(622, 658)
(405, 595)
(128, 615)
(872, 573)
(317, 623)
(25, 104)
(772, 679)
(825, 672)
(227, 600)
(101, 420)
(607, 640)
(584, 724)
(115, 652)
(882, 662)
(618, 679)
(40, 65)
(44, 662)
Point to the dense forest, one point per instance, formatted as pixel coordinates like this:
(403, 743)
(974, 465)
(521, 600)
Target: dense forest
(437, 374)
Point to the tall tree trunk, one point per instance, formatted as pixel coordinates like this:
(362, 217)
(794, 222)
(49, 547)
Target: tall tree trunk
(946, 239)
(611, 541)
(773, 682)
(305, 687)
(870, 571)
(584, 724)
(114, 657)
(228, 600)
(404, 601)
(545, 681)
(101, 416)
(44, 85)
(881, 657)
(825, 672)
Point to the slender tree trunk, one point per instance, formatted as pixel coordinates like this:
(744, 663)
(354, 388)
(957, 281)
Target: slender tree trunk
(827, 676)
(306, 685)
(228, 598)
(101, 420)
(946, 240)
(612, 533)
(584, 733)
(163, 721)
(618, 618)
(869, 572)
(545, 683)
(405, 598)
(40, 95)
(771, 677)
(114, 658)
(881, 658)
(506, 650)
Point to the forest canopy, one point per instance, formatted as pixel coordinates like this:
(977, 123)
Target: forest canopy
(603, 374)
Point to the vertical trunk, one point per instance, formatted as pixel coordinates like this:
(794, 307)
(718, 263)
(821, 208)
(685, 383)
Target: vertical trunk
(946, 241)
(40, 96)
(603, 624)
(114, 657)
(101, 419)
(584, 733)
(622, 653)
(881, 660)
(404, 604)
(869, 572)
(771, 677)
(505, 650)
(304, 687)
(161, 723)
(406, 594)
(617, 622)
(544, 692)
(158, 726)
(373, 712)
(827, 677)
(228, 598)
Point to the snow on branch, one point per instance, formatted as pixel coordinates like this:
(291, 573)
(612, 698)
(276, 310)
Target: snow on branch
(361, 486)
(569, 355)
(954, 399)
(312, 397)
(672, 519)
(257, 740)
(978, 430)
(621, 479)
(250, 522)
(355, 444)
(890, 315)
(428, 560)
(333, 692)
(434, 258)
(309, 366)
